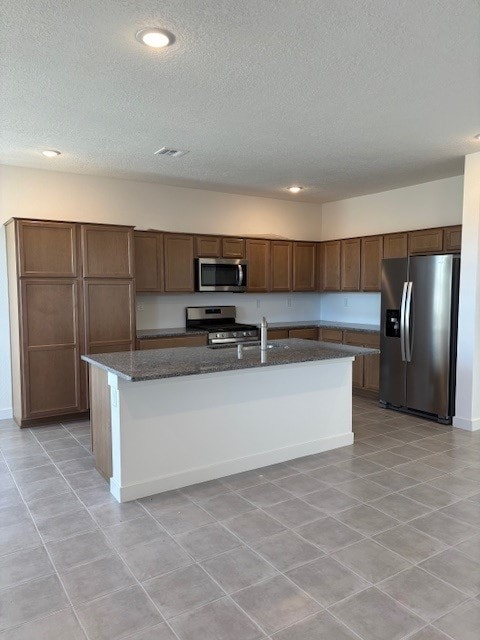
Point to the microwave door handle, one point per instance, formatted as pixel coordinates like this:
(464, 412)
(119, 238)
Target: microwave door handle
(402, 321)
(240, 275)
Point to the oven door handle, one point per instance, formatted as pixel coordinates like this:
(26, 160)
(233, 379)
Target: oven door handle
(240, 276)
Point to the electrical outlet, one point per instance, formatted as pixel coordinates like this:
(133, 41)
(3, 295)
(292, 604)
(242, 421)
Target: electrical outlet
(345, 302)
(140, 307)
(289, 303)
(258, 303)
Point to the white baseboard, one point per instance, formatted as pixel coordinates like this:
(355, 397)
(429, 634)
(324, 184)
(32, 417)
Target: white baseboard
(229, 467)
(6, 413)
(466, 425)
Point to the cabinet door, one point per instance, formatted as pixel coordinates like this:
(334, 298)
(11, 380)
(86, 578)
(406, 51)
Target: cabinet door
(281, 253)
(371, 373)
(350, 264)
(452, 239)
(51, 347)
(371, 260)
(330, 335)
(148, 262)
(304, 334)
(47, 249)
(109, 315)
(258, 258)
(425, 241)
(208, 247)
(172, 342)
(304, 266)
(178, 259)
(107, 252)
(330, 265)
(357, 372)
(395, 245)
(233, 247)
(277, 334)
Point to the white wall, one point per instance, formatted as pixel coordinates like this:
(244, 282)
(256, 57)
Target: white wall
(169, 311)
(33, 193)
(467, 411)
(351, 307)
(432, 204)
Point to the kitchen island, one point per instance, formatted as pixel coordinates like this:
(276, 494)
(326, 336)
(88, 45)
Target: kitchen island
(168, 418)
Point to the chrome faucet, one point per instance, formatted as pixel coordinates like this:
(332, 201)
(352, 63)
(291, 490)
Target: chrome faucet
(263, 334)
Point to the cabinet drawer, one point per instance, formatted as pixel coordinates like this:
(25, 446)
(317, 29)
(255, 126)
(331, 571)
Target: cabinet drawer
(277, 334)
(304, 334)
(174, 341)
(331, 335)
(361, 339)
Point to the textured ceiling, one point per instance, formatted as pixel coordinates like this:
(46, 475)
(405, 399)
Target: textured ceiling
(345, 97)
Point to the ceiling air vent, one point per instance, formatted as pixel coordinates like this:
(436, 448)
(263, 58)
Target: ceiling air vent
(170, 153)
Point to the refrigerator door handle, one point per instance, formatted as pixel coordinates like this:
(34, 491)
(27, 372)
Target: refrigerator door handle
(408, 309)
(402, 321)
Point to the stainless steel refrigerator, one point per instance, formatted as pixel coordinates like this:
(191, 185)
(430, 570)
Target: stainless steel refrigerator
(419, 335)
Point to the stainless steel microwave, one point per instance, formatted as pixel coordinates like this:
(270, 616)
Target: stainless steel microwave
(221, 274)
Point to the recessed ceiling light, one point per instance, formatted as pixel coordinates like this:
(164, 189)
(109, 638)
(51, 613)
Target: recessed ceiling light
(155, 37)
(51, 153)
(295, 189)
(477, 137)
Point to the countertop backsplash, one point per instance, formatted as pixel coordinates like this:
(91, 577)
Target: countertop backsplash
(163, 311)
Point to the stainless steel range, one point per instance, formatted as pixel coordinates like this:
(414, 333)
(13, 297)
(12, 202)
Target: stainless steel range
(222, 327)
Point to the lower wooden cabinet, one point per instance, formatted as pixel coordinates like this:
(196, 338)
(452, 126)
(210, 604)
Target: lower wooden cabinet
(366, 369)
(310, 333)
(171, 342)
(51, 379)
(277, 334)
(330, 335)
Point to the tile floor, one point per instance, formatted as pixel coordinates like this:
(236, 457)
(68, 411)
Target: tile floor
(378, 541)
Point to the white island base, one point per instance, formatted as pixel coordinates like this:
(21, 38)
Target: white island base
(173, 432)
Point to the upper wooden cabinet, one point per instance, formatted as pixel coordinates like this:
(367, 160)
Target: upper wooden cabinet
(47, 249)
(371, 261)
(330, 265)
(304, 266)
(395, 245)
(281, 268)
(208, 247)
(425, 241)
(350, 264)
(258, 258)
(233, 247)
(178, 263)
(452, 239)
(107, 251)
(148, 262)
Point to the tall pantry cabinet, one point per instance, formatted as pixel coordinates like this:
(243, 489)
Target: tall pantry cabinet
(71, 291)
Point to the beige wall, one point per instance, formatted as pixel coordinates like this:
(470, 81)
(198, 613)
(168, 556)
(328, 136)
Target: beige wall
(422, 206)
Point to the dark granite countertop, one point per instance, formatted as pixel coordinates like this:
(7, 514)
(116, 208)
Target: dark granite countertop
(174, 332)
(150, 334)
(326, 324)
(155, 364)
